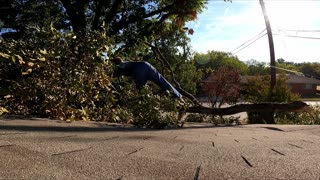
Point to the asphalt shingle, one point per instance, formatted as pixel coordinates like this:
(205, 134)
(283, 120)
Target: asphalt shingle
(52, 149)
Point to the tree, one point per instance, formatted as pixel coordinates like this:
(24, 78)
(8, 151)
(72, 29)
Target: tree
(310, 69)
(176, 46)
(222, 86)
(58, 66)
(286, 67)
(257, 90)
(132, 19)
(257, 68)
(7, 13)
(22, 14)
(217, 59)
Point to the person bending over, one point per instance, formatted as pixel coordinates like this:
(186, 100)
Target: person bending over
(141, 72)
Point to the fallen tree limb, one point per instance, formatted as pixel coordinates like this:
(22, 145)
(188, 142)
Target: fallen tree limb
(257, 107)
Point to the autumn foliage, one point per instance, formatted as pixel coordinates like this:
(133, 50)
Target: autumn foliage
(222, 86)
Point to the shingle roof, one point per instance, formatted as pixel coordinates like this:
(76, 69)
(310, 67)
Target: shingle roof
(302, 79)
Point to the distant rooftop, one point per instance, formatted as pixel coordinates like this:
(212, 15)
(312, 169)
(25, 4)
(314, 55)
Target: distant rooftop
(291, 79)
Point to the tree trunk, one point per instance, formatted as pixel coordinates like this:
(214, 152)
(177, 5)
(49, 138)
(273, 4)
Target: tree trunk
(76, 13)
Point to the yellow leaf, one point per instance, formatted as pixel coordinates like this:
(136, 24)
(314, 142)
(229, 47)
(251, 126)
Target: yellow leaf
(30, 64)
(13, 59)
(42, 59)
(4, 55)
(43, 51)
(20, 59)
(27, 72)
(3, 110)
(85, 118)
(8, 96)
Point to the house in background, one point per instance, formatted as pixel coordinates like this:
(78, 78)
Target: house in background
(299, 84)
(302, 85)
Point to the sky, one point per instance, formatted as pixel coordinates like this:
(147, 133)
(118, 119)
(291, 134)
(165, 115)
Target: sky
(239, 28)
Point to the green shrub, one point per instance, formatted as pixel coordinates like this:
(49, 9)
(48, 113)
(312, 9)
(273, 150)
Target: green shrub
(224, 120)
(195, 118)
(150, 110)
(58, 75)
(303, 118)
(258, 90)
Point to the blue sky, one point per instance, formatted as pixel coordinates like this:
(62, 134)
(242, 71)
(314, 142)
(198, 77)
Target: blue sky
(225, 26)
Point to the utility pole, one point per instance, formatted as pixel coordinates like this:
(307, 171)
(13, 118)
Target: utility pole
(271, 47)
(269, 116)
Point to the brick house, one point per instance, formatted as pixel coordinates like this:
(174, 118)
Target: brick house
(304, 86)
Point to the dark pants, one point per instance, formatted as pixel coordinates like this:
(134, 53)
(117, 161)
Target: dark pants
(143, 72)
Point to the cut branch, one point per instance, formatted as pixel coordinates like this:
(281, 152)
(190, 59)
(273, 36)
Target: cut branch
(257, 107)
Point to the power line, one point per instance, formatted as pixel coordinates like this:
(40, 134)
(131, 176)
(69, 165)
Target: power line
(295, 36)
(249, 40)
(259, 36)
(249, 43)
(298, 30)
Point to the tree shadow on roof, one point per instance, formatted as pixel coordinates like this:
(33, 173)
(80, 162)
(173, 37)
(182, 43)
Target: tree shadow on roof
(93, 127)
(273, 128)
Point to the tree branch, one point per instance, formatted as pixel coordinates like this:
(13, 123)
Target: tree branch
(123, 23)
(164, 9)
(76, 12)
(257, 107)
(99, 5)
(113, 11)
(182, 91)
